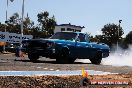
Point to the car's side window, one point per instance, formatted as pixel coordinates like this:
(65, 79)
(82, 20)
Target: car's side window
(82, 37)
(87, 38)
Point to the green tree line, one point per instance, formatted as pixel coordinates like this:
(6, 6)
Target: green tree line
(111, 34)
(44, 28)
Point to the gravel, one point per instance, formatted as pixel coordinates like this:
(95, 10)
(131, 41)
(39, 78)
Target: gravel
(59, 81)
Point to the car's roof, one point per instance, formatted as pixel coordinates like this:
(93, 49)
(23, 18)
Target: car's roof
(71, 32)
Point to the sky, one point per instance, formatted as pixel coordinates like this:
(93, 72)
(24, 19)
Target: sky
(92, 14)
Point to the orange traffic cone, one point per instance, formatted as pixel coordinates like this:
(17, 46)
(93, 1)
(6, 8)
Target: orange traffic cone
(86, 74)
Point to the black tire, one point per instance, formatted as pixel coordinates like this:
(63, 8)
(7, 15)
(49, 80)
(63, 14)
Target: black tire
(33, 57)
(97, 58)
(71, 60)
(84, 82)
(60, 60)
(63, 57)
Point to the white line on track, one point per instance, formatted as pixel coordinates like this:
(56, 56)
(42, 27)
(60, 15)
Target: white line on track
(45, 68)
(51, 69)
(56, 73)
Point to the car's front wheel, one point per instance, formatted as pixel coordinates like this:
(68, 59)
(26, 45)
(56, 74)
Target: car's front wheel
(71, 60)
(33, 57)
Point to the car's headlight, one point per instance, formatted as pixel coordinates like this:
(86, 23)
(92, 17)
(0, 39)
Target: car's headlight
(25, 44)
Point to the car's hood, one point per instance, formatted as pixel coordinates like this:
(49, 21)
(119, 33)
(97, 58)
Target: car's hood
(59, 40)
(50, 40)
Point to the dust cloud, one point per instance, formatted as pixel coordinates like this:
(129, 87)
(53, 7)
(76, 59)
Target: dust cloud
(116, 58)
(119, 58)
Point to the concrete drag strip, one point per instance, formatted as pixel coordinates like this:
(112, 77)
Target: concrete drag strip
(55, 73)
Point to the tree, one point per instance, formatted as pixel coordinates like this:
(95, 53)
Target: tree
(98, 38)
(128, 38)
(2, 27)
(28, 25)
(14, 19)
(37, 33)
(14, 23)
(46, 23)
(110, 34)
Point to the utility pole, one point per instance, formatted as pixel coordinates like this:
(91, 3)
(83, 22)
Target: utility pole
(22, 23)
(118, 34)
(6, 21)
(6, 13)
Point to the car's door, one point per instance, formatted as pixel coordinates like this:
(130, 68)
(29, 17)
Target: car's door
(71, 45)
(83, 47)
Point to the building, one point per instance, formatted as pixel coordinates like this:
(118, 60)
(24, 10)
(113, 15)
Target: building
(68, 27)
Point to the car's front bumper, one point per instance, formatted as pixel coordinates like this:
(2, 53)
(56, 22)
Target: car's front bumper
(105, 55)
(40, 52)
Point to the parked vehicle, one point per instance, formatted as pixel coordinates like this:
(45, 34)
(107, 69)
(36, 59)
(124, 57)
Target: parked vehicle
(66, 47)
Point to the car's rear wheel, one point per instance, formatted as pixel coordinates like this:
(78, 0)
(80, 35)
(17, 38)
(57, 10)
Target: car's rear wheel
(33, 57)
(97, 58)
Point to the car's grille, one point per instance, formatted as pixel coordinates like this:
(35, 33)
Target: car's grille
(36, 44)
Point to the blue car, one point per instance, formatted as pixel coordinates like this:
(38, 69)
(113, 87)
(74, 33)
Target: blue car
(66, 47)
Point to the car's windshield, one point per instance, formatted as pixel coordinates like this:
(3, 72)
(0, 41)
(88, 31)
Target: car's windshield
(64, 35)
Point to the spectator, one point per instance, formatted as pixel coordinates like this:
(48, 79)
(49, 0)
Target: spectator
(17, 51)
(1, 49)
